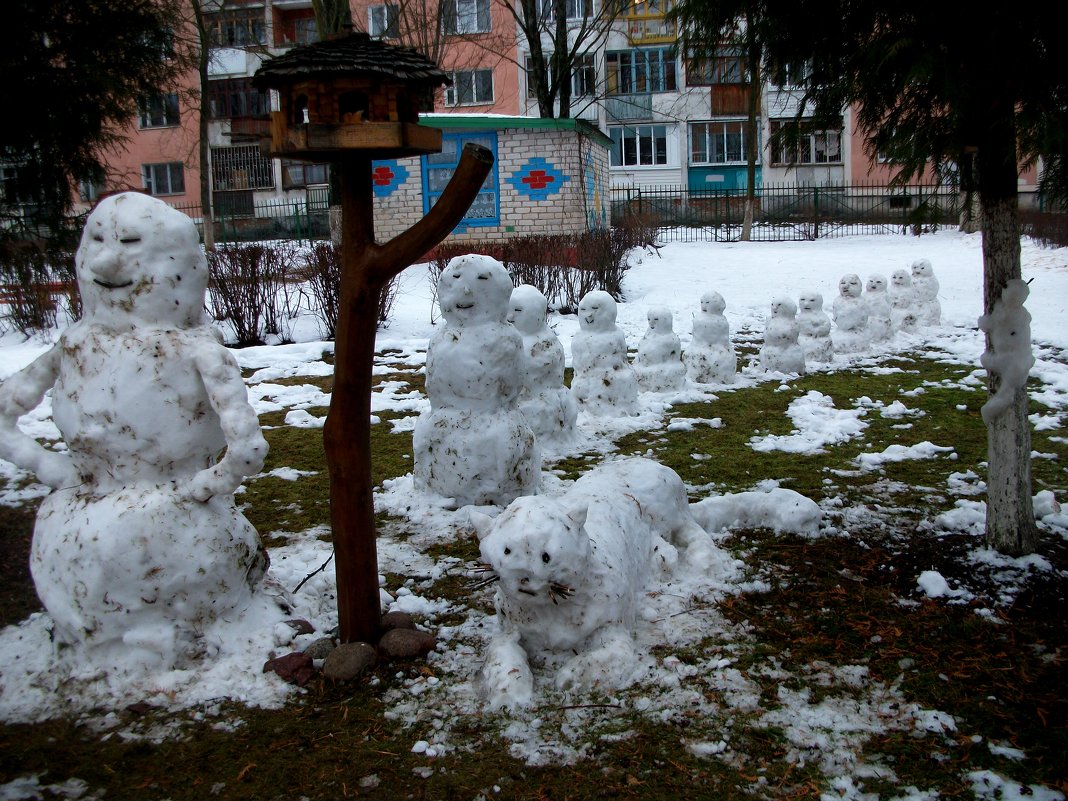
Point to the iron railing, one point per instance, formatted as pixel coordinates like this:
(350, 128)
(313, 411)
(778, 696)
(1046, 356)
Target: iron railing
(239, 218)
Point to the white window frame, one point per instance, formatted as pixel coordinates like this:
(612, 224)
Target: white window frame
(583, 75)
(154, 175)
(816, 147)
(653, 69)
(466, 16)
(576, 10)
(641, 142)
(704, 135)
(467, 88)
(383, 21)
(156, 111)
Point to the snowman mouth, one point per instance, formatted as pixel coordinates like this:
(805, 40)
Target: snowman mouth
(106, 285)
(465, 305)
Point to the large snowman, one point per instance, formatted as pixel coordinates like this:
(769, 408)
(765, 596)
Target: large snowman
(604, 383)
(475, 446)
(545, 400)
(850, 316)
(711, 358)
(140, 547)
(782, 353)
(814, 327)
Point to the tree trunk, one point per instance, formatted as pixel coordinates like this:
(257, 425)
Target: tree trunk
(203, 146)
(1010, 517)
(754, 57)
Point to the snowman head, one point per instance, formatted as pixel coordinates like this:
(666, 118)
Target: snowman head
(850, 286)
(712, 303)
(527, 309)
(810, 301)
(140, 264)
(900, 279)
(474, 289)
(876, 283)
(660, 320)
(921, 268)
(1015, 292)
(783, 307)
(597, 311)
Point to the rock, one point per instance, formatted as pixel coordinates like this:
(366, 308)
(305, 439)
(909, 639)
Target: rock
(301, 626)
(406, 644)
(295, 668)
(349, 660)
(321, 648)
(397, 620)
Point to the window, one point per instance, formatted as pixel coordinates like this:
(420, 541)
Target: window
(470, 88)
(793, 75)
(639, 145)
(90, 191)
(640, 71)
(466, 16)
(241, 167)
(382, 21)
(296, 174)
(237, 28)
(575, 9)
(717, 142)
(438, 168)
(583, 76)
(236, 97)
(804, 146)
(722, 68)
(163, 179)
(297, 27)
(160, 111)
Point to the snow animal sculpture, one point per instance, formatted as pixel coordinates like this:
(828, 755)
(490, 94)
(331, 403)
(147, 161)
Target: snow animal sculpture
(711, 358)
(139, 547)
(814, 327)
(1009, 356)
(850, 314)
(545, 400)
(474, 445)
(878, 303)
(658, 363)
(573, 571)
(781, 352)
(902, 298)
(925, 293)
(603, 383)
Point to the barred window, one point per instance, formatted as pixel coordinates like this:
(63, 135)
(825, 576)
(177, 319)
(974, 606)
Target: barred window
(240, 167)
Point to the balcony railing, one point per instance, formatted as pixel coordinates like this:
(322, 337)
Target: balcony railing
(629, 107)
(650, 30)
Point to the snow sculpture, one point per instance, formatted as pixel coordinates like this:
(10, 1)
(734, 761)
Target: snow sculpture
(573, 572)
(545, 400)
(474, 445)
(658, 363)
(140, 547)
(1009, 356)
(782, 352)
(925, 293)
(878, 302)
(850, 316)
(814, 328)
(604, 383)
(711, 358)
(902, 298)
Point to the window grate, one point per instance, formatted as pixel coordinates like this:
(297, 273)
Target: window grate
(241, 167)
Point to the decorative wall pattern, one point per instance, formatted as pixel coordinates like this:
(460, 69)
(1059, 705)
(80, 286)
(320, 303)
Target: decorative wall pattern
(387, 177)
(538, 179)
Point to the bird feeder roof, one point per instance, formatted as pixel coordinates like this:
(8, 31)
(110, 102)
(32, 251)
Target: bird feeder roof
(356, 54)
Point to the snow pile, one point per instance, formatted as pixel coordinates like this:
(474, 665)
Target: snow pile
(817, 424)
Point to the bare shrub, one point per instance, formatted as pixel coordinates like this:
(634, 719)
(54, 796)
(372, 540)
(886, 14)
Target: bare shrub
(27, 288)
(322, 272)
(248, 288)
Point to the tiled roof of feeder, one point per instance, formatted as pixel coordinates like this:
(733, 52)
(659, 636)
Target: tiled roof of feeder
(354, 54)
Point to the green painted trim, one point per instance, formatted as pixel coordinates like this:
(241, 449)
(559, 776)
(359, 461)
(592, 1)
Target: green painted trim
(483, 123)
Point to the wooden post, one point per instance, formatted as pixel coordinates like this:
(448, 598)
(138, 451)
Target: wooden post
(366, 268)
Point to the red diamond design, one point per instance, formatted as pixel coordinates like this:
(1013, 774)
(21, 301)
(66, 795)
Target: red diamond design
(382, 176)
(538, 179)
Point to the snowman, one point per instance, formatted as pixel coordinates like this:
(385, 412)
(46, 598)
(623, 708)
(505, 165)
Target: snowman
(658, 362)
(815, 328)
(474, 446)
(781, 352)
(925, 293)
(850, 314)
(902, 300)
(711, 358)
(140, 547)
(545, 400)
(878, 303)
(604, 383)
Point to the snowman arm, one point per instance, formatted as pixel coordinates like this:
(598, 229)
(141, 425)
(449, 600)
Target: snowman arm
(246, 448)
(20, 394)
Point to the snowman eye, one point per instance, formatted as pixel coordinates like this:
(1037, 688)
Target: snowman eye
(507, 551)
(129, 240)
(545, 558)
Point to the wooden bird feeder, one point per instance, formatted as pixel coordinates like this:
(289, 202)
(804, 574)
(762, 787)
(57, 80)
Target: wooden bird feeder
(350, 100)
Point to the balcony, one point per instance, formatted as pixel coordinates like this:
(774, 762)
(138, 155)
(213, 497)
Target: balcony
(650, 30)
(628, 108)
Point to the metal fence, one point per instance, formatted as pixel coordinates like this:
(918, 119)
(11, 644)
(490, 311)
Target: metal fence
(239, 218)
(787, 212)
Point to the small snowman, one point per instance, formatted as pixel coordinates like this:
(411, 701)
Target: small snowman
(925, 291)
(140, 548)
(781, 352)
(658, 363)
(545, 400)
(1008, 357)
(850, 314)
(711, 358)
(474, 446)
(878, 303)
(902, 300)
(815, 328)
(604, 383)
